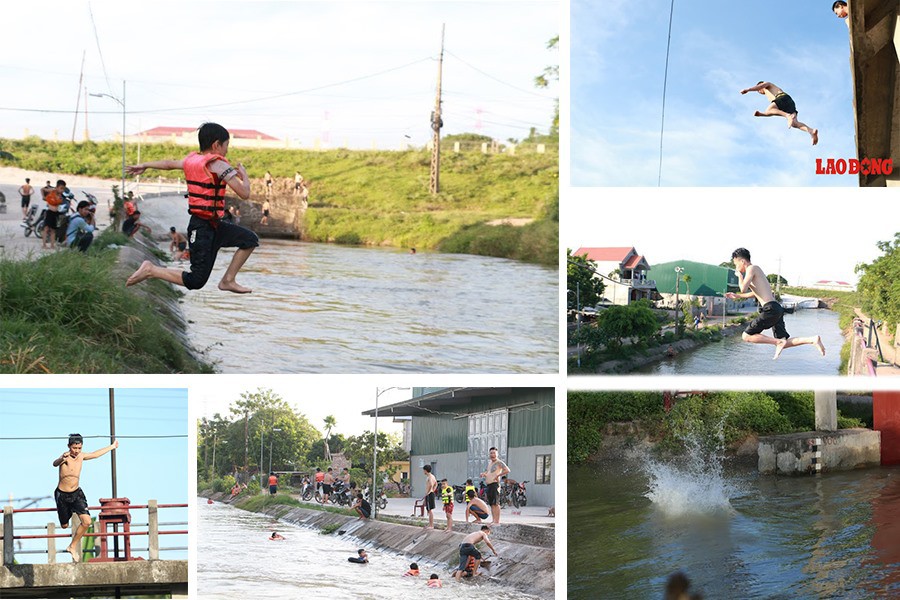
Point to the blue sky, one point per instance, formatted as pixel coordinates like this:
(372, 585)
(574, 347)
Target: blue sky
(618, 53)
(357, 72)
(145, 468)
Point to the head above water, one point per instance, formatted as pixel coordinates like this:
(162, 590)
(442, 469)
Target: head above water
(211, 134)
(414, 566)
(361, 551)
(434, 576)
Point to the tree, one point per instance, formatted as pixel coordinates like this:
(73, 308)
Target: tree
(359, 450)
(551, 73)
(879, 284)
(774, 277)
(330, 423)
(619, 323)
(580, 281)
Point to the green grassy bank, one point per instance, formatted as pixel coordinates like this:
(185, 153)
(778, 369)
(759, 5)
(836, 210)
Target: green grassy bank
(734, 415)
(69, 312)
(374, 197)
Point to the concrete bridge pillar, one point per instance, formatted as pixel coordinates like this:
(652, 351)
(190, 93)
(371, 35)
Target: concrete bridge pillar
(8, 547)
(826, 411)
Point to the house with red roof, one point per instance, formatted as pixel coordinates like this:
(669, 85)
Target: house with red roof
(187, 136)
(833, 285)
(624, 273)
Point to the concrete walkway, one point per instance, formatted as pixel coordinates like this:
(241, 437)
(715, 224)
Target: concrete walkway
(527, 515)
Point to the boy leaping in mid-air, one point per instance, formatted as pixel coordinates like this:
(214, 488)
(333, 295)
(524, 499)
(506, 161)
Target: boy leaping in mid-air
(771, 313)
(781, 105)
(206, 173)
(69, 497)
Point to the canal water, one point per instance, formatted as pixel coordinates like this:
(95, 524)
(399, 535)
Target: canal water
(733, 532)
(323, 308)
(235, 560)
(733, 356)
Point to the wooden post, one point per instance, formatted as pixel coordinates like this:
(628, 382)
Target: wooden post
(8, 547)
(153, 529)
(51, 544)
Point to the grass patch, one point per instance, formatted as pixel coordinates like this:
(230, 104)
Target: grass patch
(329, 529)
(68, 312)
(375, 197)
(258, 503)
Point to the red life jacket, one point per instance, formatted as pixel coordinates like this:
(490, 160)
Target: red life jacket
(206, 193)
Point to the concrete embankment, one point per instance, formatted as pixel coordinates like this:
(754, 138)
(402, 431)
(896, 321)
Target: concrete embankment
(526, 553)
(659, 353)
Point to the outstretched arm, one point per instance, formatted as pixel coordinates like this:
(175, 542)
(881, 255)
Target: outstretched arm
(166, 165)
(757, 87)
(102, 451)
(62, 458)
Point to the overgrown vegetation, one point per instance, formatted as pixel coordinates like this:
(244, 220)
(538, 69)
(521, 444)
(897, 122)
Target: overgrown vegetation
(261, 501)
(375, 197)
(68, 312)
(730, 415)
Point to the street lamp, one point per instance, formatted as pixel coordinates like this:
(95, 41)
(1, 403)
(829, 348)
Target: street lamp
(378, 394)
(678, 272)
(122, 104)
(271, 441)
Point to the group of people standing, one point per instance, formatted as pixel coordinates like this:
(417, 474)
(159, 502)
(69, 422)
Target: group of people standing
(61, 229)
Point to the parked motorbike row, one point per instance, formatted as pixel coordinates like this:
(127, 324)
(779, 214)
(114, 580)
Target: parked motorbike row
(511, 492)
(341, 494)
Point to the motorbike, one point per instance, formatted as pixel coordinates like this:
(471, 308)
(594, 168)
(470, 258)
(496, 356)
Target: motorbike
(517, 495)
(341, 494)
(380, 500)
(459, 494)
(307, 491)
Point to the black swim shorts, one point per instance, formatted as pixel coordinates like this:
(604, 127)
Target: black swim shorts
(326, 489)
(26, 200)
(770, 315)
(429, 501)
(785, 103)
(273, 489)
(69, 503)
(465, 551)
(182, 246)
(51, 219)
(366, 512)
(478, 512)
(205, 239)
(492, 493)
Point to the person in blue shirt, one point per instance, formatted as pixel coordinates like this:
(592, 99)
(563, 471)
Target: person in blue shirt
(80, 232)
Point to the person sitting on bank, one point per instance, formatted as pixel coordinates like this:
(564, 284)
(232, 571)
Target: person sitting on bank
(178, 243)
(133, 224)
(80, 231)
(362, 507)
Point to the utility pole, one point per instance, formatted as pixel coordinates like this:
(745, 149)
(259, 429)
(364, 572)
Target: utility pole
(112, 438)
(778, 279)
(78, 100)
(436, 124)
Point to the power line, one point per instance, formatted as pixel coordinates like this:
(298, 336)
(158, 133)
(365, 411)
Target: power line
(65, 437)
(665, 82)
(99, 51)
(489, 76)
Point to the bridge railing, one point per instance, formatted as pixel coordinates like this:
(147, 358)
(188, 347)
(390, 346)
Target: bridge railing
(8, 532)
(862, 357)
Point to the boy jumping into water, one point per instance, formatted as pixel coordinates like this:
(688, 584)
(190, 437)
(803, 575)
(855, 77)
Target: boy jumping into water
(69, 497)
(781, 105)
(207, 173)
(771, 314)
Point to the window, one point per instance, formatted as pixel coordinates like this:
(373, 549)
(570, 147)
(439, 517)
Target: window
(542, 468)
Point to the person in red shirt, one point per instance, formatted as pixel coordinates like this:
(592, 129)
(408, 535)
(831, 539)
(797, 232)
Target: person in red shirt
(273, 484)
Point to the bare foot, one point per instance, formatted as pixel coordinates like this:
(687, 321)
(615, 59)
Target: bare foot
(76, 556)
(143, 272)
(758, 114)
(818, 344)
(815, 136)
(232, 286)
(790, 120)
(778, 348)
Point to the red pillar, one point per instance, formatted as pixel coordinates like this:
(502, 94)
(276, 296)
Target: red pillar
(886, 419)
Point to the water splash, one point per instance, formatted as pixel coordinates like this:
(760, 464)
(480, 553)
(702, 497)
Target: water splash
(694, 484)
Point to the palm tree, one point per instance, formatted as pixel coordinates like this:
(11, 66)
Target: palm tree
(687, 281)
(330, 423)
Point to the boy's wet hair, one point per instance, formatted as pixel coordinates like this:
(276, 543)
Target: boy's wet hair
(741, 253)
(414, 566)
(470, 494)
(210, 133)
(838, 3)
(360, 551)
(60, 182)
(434, 576)
(483, 527)
(75, 438)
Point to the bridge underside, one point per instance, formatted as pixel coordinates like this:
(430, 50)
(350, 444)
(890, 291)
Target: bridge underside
(95, 580)
(875, 64)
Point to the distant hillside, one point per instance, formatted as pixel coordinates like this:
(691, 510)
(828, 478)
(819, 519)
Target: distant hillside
(374, 197)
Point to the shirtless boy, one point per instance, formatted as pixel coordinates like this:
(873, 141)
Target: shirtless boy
(467, 548)
(496, 469)
(431, 486)
(69, 497)
(781, 105)
(771, 313)
(477, 508)
(207, 173)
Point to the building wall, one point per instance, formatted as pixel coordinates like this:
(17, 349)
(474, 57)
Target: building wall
(521, 466)
(451, 465)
